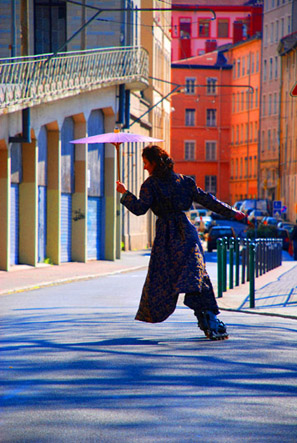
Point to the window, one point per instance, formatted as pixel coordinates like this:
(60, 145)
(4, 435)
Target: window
(237, 134)
(204, 27)
(257, 62)
(289, 24)
(276, 30)
(275, 103)
(238, 68)
(185, 28)
(241, 133)
(223, 27)
(233, 102)
(252, 63)
(243, 66)
(190, 117)
(266, 35)
(211, 184)
(234, 69)
(274, 141)
(238, 101)
(269, 139)
(246, 133)
(190, 85)
(211, 86)
(256, 132)
(270, 104)
(248, 64)
(264, 105)
(252, 99)
(265, 70)
(189, 150)
(275, 66)
(256, 97)
(242, 101)
(272, 33)
(211, 117)
(251, 132)
(247, 100)
(211, 150)
(270, 68)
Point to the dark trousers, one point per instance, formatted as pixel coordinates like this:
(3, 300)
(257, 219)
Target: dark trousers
(203, 300)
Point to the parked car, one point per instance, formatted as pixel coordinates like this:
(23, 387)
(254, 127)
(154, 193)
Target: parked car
(194, 213)
(285, 236)
(269, 221)
(286, 225)
(216, 232)
(256, 216)
(207, 222)
(261, 204)
(237, 205)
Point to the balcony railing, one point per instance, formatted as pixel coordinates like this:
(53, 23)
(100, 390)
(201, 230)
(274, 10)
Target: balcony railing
(27, 81)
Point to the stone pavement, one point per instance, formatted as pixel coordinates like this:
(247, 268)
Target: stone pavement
(276, 291)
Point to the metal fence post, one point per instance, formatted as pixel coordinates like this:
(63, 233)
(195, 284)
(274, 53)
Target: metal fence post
(224, 254)
(252, 248)
(237, 244)
(220, 276)
(231, 261)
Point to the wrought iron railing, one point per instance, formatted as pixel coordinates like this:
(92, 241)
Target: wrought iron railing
(26, 81)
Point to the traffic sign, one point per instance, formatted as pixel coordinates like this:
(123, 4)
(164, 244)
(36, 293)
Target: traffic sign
(277, 205)
(293, 92)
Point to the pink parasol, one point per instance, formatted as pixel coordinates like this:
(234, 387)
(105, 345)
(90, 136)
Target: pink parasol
(116, 138)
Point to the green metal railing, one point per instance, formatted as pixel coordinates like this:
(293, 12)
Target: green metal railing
(251, 258)
(26, 81)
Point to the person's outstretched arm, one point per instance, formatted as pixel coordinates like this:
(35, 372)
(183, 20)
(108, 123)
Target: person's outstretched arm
(137, 206)
(212, 203)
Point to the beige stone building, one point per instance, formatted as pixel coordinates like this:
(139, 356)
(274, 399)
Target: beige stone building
(277, 23)
(288, 125)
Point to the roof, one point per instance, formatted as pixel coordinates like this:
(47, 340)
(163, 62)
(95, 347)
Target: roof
(217, 3)
(287, 43)
(213, 60)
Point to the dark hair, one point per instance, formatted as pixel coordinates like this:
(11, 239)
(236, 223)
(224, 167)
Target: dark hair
(157, 155)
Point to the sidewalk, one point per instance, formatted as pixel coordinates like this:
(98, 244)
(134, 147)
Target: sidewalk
(276, 291)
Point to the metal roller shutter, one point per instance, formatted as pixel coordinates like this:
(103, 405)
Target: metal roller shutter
(41, 223)
(95, 228)
(66, 227)
(14, 224)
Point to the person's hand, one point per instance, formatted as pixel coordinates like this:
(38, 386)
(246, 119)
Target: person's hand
(239, 215)
(121, 188)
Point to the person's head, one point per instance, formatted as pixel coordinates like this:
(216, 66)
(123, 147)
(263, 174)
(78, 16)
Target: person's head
(157, 161)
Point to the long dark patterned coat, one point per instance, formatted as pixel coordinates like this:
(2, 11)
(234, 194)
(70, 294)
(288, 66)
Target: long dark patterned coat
(177, 262)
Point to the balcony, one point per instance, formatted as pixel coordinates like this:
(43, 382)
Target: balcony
(28, 81)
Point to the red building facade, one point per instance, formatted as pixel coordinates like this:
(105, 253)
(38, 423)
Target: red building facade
(200, 121)
(196, 33)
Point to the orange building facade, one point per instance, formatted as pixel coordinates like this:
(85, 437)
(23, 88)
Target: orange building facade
(245, 58)
(200, 121)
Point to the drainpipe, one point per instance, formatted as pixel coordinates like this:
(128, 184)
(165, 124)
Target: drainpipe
(13, 28)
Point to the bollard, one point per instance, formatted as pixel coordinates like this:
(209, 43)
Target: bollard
(237, 252)
(224, 264)
(231, 261)
(243, 258)
(247, 261)
(219, 265)
(252, 248)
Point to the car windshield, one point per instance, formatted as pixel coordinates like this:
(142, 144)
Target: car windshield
(221, 231)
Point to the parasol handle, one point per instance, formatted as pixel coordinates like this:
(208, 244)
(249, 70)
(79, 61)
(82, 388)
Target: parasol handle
(117, 145)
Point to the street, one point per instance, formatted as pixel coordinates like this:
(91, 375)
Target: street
(75, 366)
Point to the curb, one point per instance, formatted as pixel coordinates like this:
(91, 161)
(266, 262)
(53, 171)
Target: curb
(70, 280)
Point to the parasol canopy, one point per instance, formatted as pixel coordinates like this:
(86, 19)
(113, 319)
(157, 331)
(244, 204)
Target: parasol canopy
(117, 138)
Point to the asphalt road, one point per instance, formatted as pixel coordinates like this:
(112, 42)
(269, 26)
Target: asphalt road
(76, 367)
